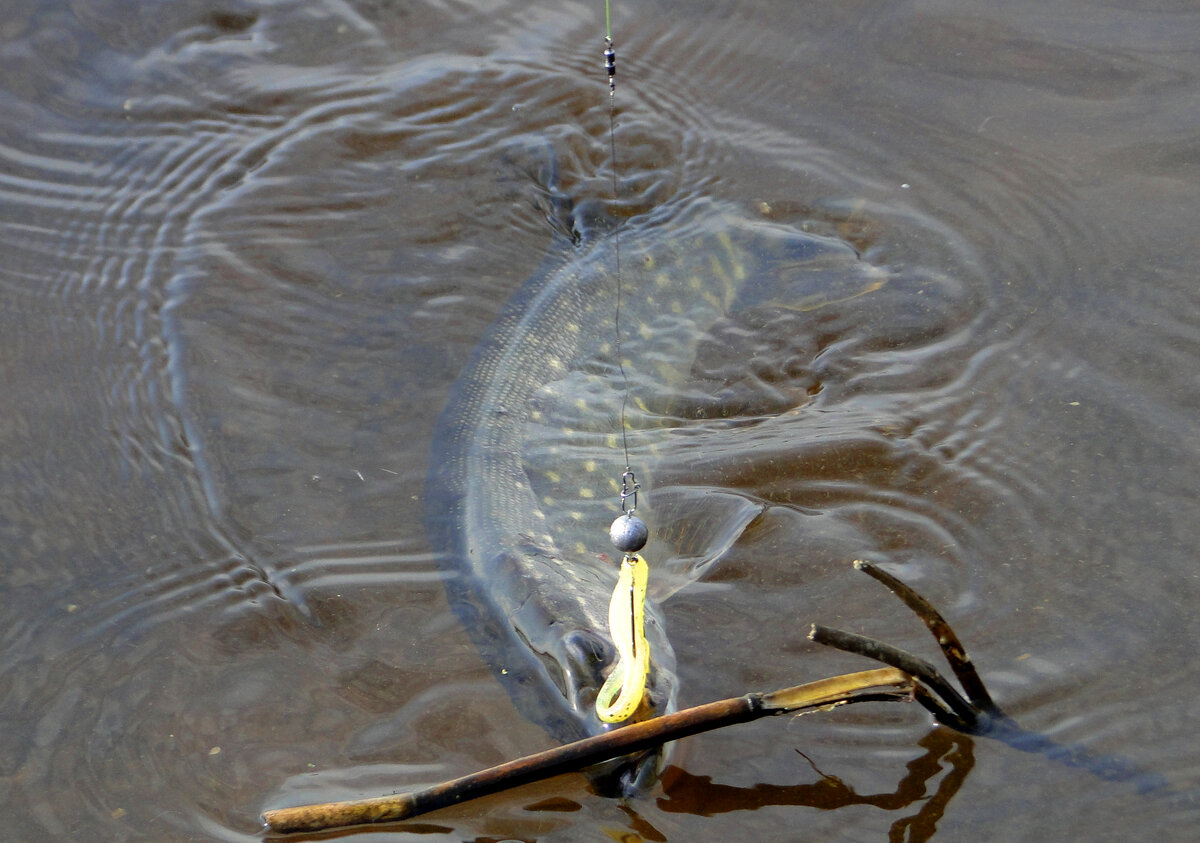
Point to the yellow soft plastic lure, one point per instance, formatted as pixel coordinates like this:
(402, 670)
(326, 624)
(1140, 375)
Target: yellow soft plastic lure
(622, 692)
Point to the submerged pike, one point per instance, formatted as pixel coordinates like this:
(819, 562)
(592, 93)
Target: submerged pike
(526, 457)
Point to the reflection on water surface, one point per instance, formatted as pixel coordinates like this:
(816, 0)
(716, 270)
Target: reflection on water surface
(248, 248)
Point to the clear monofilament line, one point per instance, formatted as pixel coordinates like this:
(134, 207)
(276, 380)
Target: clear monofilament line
(623, 690)
(610, 64)
(629, 485)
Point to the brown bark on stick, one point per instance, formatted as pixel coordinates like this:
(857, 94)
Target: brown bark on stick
(885, 684)
(952, 648)
(965, 718)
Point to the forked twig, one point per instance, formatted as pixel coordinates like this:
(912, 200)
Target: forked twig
(955, 652)
(977, 716)
(960, 716)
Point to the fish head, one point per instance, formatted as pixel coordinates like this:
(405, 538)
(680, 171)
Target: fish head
(540, 619)
(563, 623)
(587, 657)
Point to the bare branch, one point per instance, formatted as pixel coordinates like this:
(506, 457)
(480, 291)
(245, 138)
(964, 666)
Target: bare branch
(966, 716)
(955, 652)
(885, 684)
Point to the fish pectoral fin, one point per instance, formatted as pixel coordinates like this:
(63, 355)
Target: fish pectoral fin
(699, 525)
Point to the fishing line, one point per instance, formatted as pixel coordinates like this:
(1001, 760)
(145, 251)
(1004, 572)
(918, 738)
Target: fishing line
(622, 693)
(610, 66)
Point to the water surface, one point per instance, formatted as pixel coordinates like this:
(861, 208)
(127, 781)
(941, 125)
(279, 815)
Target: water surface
(248, 247)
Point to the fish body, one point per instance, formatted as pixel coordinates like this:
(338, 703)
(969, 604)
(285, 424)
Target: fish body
(526, 459)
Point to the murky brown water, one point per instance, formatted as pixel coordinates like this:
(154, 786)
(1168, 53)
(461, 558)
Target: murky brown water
(247, 247)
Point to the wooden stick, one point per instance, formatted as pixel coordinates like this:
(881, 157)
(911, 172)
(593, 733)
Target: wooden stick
(955, 652)
(885, 684)
(966, 716)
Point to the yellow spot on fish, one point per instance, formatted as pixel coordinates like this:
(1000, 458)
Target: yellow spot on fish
(726, 241)
(580, 548)
(611, 440)
(576, 515)
(589, 465)
(580, 404)
(695, 282)
(644, 331)
(548, 501)
(717, 269)
(537, 416)
(614, 485)
(553, 477)
(586, 493)
(739, 269)
(662, 279)
(677, 306)
(641, 405)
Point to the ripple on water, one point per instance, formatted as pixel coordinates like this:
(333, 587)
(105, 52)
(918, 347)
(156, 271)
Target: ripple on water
(104, 218)
(257, 244)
